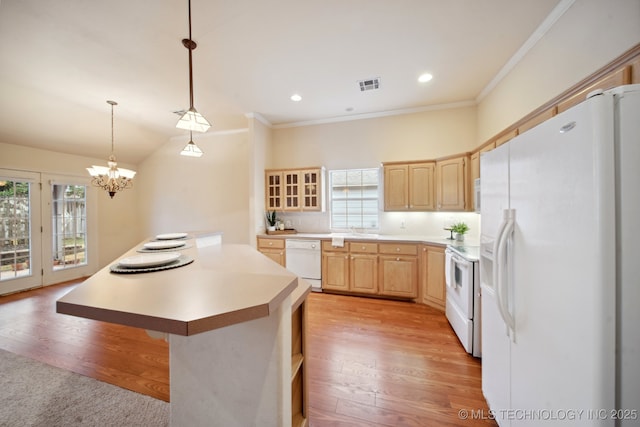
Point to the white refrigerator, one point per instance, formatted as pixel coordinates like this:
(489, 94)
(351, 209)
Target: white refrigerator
(560, 268)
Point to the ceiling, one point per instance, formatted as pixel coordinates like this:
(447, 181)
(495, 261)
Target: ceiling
(62, 60)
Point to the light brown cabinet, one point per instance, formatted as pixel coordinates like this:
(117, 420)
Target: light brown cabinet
(294, 189)
(409, 186)
(451, 183)
(385, 269)
(398, 270)
(274, 249)
(396, 187)
(422, 186)
(432, 280)
(427, 185)
(352, 268)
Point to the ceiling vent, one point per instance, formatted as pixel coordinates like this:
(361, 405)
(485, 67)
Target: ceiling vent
(370, 84)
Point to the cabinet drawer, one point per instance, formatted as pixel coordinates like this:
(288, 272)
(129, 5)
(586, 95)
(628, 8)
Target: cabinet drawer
(326, 246)
(363, 248)
(398, 248)
(270, 243)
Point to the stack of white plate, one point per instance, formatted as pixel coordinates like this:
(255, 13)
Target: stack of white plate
(171, 236)
(165, 244)
(148, 260)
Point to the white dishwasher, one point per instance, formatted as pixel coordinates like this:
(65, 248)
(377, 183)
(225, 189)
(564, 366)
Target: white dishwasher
(304, 260)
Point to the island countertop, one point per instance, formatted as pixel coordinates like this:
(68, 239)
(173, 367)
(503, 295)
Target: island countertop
(225, 285)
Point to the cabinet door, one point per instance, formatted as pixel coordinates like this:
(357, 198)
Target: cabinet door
(399, 276)
(435, 294)
(277, 255)
(451, 184)
(422, 186)
(273, 190)
(363, 275)
(291, 184)
(335, 271)
(311, 190)
(396, 187)
(474, 171)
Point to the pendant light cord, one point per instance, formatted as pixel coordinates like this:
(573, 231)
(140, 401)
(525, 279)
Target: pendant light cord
(190, 44)
(112, 103)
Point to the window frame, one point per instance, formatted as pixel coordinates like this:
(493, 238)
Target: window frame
(361, 227)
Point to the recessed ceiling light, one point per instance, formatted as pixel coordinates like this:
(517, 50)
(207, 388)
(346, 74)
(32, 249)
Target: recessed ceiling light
(348, 109)
(425, 78)
(296, 98)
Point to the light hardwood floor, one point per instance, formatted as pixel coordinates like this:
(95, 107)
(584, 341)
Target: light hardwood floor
(371, 362)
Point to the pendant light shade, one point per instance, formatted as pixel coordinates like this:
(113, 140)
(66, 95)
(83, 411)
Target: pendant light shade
(191, 149)
(111, 178)
(192, 120)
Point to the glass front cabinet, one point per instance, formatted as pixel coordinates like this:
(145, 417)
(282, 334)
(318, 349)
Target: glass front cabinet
(294, 189)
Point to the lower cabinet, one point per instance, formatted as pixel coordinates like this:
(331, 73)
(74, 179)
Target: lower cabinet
(399, 270)
(274, 249)
(351, 268)
(383, 269)
(432, 280)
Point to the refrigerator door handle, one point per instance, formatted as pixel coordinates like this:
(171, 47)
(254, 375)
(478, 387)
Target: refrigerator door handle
(500, 264)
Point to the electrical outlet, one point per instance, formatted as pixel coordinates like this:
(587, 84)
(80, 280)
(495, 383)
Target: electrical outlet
(402, 224)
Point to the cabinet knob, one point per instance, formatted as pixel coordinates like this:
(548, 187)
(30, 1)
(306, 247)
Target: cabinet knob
(352, 258)
(363, 248)
(270, 243)
(397, 249)
(398, 259)
(346, 257)
(424, 249)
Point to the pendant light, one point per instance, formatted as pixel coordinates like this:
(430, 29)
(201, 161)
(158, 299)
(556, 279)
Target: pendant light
(192, 120)
(111, 178)
(191, 149)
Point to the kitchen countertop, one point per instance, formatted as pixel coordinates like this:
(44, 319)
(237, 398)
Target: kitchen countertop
(225, 285)
(430, 240)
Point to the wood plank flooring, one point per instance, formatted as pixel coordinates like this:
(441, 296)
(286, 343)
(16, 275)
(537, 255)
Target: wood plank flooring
(370, 362)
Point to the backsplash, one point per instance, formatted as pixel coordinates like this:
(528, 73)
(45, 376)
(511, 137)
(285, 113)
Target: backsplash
(429, 224)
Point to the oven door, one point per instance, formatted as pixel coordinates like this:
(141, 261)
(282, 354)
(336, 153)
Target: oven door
(459, 307)
(459, 279)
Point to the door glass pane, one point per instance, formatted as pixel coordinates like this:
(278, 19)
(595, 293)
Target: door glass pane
(69, 226)
(15, 230)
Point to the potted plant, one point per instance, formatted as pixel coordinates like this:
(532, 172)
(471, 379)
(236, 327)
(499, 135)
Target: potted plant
(460, 228)
(271, 220)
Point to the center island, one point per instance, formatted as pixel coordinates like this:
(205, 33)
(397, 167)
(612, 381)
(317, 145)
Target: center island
(234, 360)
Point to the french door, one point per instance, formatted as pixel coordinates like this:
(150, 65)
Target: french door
(47, 229)
(20, 231)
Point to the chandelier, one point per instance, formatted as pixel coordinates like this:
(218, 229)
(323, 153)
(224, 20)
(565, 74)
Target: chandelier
(111, 178)
(192, 120)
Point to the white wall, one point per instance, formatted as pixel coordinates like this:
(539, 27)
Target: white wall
(369, 142)
(118, 228)
(590, 34)
(178, 193)
(260, 143)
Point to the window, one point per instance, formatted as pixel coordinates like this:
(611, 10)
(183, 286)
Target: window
(69, 225)
(354, 198)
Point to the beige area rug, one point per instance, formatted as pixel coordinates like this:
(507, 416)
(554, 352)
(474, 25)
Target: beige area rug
(35, 394)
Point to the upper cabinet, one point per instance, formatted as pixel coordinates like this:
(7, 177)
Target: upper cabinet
(409, 186)
(422, 186)
(396, 187)
(294, 189)
(451, 183)
(426, 185)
